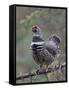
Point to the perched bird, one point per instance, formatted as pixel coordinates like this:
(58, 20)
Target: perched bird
(43, 52)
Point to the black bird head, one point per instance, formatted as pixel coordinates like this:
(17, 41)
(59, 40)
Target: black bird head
(37, 35)
(36, 29)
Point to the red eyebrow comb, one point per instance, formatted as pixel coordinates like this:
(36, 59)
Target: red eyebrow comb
(34, 26)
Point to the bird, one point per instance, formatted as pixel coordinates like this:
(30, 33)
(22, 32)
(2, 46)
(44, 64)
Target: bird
(44, 52)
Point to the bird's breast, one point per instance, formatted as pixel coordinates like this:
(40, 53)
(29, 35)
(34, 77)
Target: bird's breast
(36, 47)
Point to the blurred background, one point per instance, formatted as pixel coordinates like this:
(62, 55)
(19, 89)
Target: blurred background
(51, 21)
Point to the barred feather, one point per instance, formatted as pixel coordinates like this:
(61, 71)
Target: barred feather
(44, 52)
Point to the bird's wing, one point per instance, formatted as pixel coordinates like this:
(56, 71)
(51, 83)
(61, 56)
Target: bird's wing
(51, 47)
(47, 57)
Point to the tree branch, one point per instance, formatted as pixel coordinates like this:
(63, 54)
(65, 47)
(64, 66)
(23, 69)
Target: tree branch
(39, 72)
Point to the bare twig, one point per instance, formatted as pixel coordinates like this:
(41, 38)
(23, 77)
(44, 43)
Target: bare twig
(39, 72)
